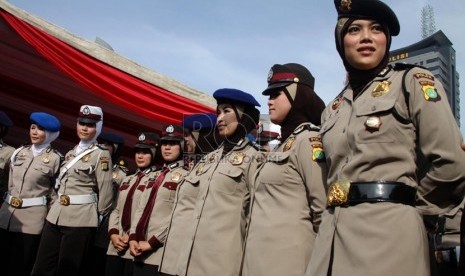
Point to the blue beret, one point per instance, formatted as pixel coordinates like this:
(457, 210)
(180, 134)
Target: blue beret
(235, 96)
(111, 137)
(5, 120)
(368, 9)
(197, 122)
(45, 121)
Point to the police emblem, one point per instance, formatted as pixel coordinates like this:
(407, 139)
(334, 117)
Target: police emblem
(381, 89)
(170, 129)
(86, 110)
(46, 159)
(86, 158)
(270, 75)
(336, 103)
(199, 169)
(318, 154)
(237, 158)
(104, 165)
(142, 137)
(345, 6)
(430, 93)
(176, 177)
(373, 123)
(289, 143)
(338, 193)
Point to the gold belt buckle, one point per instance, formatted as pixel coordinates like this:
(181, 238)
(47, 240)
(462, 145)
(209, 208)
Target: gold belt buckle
(16, 202)
(338, 193)
(65, 200)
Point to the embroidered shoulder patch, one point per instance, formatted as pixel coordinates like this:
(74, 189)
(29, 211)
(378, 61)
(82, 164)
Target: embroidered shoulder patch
(318, 154)
(423, 76)
(430, 93)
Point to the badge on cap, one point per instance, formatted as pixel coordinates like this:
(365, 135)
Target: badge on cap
(86, 111)
(373, 123)
(237, 158)
(270, 75)
(381, 89)
(141, 137)
(345, 5)
(170, 129)
(430, 93)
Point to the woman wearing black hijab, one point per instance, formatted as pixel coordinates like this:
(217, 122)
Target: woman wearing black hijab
(289, 188)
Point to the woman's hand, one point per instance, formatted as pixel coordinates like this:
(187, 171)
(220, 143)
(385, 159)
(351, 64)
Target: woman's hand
(118, 242)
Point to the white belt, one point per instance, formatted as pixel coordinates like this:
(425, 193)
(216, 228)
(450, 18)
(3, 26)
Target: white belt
(25, 202)
(77, 199)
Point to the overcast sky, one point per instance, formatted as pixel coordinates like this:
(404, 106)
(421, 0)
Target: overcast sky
(214, 44)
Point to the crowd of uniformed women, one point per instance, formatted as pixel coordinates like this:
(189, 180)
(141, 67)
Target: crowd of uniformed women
(366, 186)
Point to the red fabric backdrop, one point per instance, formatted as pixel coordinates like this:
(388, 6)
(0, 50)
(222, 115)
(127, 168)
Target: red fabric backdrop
(106, 81)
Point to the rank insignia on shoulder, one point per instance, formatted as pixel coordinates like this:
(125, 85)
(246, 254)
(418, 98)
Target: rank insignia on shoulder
(46, 159)
(423, 76)
(373, 123)
(237, 158)
(212, 158)
(336, 103)
(318, 154)
(381, 89)
(104, 165)
(290, 141)
(315, 139)
(429, 92)
(176, 177)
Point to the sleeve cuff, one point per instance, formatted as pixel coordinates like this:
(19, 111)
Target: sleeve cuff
(132, 237)
(113, 231)
(154, 243)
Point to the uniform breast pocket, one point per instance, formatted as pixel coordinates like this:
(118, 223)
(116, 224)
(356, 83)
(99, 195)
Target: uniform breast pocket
(375, 122)
(43, 170)
(167, 191)
(274, 171)
(229, 180)
(190, 186)
(83, 172)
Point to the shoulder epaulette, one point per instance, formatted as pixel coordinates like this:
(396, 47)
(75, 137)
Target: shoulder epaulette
(102, 147)
(405, 66)
(309, 126)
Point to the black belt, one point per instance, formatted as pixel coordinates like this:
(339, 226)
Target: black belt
(370, 192)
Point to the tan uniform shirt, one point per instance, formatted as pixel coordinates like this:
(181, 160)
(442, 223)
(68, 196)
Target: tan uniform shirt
(30, 177)
(158, 224)
(91, 174)
(5, 156)
(371, 139)
(287, 204)
(214, 240)
(181, 220)
(114, 225)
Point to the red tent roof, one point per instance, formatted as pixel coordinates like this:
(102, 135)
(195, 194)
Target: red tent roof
(39, 72)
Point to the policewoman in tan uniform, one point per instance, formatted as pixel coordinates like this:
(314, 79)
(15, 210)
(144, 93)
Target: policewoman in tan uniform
(98, 251)
(393, 154)
(290, 187)
(85, 195)
(202, 129)
(5, 153)
(151, 219)
(30, 190)
(120, 260)
(214, 239)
